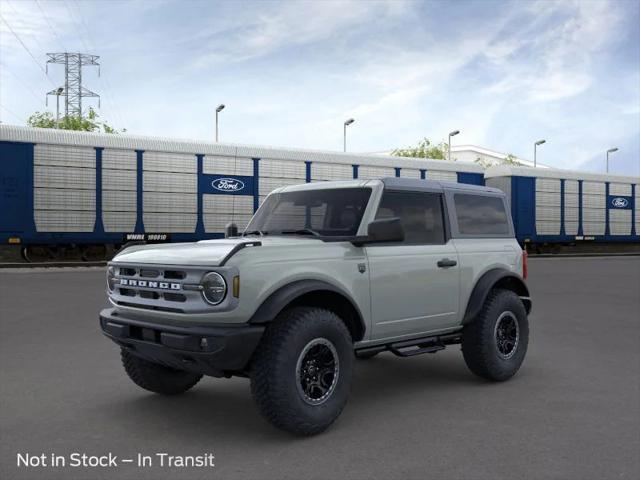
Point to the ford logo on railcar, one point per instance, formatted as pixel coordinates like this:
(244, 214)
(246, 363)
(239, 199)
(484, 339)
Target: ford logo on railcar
(619, 202)
(227, 184)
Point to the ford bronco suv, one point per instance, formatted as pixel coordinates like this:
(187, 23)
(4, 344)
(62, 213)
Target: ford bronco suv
(325, 273)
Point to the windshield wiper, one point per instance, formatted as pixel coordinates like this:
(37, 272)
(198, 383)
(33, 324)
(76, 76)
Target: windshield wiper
(301, 231)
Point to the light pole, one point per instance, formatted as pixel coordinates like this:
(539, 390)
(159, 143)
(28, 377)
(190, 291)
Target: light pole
(535, 147)
(347, 122)
(451, 134)
(611, 150)
(218, 110)
(58, 93)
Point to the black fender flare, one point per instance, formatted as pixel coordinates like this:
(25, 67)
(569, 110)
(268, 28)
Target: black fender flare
(288, 293)
(490, 279)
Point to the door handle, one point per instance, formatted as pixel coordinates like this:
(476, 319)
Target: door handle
(446, 263)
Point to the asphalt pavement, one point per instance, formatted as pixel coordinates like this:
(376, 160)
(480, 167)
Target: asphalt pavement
(572, 412)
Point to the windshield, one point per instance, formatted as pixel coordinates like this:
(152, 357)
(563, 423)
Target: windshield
(322, 212)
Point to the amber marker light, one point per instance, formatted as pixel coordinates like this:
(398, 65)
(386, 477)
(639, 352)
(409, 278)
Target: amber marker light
(236, 286)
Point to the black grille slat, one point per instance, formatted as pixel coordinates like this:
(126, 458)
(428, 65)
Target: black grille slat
(174, 297)
(146, 273)
(175, 275)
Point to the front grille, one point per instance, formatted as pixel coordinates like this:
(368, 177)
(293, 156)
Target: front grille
(167, 289)
(155, 288)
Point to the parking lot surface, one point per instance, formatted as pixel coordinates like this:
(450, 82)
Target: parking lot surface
(572, 412)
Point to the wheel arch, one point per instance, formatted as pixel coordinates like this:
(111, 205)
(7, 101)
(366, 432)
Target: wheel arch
(315, 293)
(495, 278)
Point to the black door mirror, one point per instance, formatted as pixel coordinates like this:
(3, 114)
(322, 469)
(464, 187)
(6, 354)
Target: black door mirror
(383, 230)
(231, 230)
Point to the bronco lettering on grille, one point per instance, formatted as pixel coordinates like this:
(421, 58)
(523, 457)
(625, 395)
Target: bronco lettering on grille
(130, 282)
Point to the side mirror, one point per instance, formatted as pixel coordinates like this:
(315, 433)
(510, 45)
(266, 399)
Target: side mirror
(230, 230)
(383, 230)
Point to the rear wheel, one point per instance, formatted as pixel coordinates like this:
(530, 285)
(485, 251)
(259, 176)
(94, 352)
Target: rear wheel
(157, 378)
(301, 371)
(495, 343)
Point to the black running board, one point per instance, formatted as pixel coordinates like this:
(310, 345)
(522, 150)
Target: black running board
(415, 346)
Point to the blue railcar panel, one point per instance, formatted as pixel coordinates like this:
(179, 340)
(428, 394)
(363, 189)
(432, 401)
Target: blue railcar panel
(634, 207)
(621, 202)
(607, 230)
(226, 184)
(16, 187)
(580, 229)
(256, 183)
(562, 230)
(98, 228)
(139, 189)
(307, 170)
(200, 221)
(523, 207)
(469, 178)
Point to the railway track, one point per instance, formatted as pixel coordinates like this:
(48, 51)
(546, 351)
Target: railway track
(51, 264)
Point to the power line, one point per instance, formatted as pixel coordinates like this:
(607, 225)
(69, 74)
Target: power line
(35, 38)
(106, 84)
(21, 82)
(53, 30)
(12, 113)
(26, 48)
(75, 25)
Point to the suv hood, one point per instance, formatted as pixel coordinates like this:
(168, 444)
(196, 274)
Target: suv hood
(205, 252)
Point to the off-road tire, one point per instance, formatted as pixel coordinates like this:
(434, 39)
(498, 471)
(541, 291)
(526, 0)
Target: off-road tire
(157, 378)
(479, 338)
(275, 379)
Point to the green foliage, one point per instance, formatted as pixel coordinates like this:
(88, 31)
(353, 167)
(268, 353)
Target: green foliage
(510, 159)
(89, 123)
(425, 149)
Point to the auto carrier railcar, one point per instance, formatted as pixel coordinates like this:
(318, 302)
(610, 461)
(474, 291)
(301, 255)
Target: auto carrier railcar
(553, 207)
(79, 191)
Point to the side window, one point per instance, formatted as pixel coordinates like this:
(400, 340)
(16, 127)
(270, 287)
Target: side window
(419, 213)
(481, 215)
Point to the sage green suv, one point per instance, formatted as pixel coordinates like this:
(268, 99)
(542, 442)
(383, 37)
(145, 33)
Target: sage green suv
(323, 274)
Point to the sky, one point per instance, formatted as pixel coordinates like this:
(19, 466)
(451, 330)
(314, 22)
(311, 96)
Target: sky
(504, 73)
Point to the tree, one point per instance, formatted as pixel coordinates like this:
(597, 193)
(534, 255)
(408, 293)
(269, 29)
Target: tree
(425, 149)
(510, 159)
(90, 123)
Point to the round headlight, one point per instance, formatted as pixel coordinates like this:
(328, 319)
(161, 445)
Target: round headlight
(111, 280)
(214, 288)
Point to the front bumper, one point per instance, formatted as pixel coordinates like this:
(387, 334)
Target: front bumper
(216, 350)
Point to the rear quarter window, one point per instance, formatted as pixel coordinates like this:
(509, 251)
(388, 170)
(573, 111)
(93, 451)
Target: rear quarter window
(481, 215)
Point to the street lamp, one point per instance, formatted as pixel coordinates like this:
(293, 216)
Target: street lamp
(218, 110)
(451, 134)
(535, 147)
(58, 93)
(611, 150)
(347, 122)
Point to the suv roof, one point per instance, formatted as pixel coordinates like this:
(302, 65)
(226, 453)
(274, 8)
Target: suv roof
(396, 183)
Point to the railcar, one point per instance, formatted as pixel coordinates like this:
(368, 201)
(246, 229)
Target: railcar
(553, 207)
(77, 193)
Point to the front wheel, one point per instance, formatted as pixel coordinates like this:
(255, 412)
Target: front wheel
(301, 371)
(495, 343)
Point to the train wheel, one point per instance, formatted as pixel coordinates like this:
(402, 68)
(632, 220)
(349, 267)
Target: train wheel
(39, 253)
(93, 253)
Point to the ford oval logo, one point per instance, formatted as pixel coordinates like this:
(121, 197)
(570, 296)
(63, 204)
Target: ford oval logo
(619, 202)
(227, 184)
